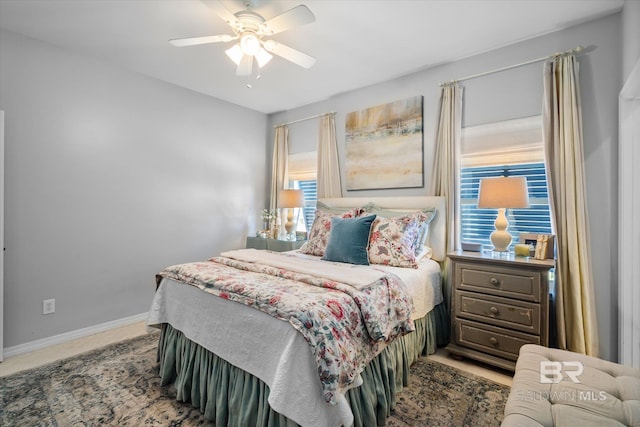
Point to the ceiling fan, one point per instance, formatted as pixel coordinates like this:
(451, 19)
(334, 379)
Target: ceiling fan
(249, 29)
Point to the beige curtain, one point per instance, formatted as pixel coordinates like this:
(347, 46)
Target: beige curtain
(446, 163)
(328, 178)
(562, 132)
(445, 178)
(279, 167)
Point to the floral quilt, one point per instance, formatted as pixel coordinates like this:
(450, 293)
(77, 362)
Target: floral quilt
(344, 326)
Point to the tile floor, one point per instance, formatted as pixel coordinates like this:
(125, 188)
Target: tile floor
(80, 345)
(497, 375)
(70, 348)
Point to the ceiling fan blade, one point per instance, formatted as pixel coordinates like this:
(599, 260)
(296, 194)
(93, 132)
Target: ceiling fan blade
(245, 66)
(221, 10)
(297, 16)
(290, 54)
(192, 41)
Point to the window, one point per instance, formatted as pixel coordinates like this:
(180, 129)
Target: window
(477, 224)
(310, 190)
(509, 148)
(302, 175)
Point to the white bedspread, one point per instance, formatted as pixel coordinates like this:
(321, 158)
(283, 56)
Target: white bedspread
(357, 276)
(423, 283)
(270, 348)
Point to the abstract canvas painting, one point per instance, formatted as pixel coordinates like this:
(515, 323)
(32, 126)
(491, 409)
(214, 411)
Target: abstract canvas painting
(384, 145)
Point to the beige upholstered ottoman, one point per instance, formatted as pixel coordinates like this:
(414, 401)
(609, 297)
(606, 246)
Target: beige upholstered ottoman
(553, 387)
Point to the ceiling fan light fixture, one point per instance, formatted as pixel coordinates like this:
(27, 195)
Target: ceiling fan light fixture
(249, 43)
(249, 28)
(235, 53)
(263, 57)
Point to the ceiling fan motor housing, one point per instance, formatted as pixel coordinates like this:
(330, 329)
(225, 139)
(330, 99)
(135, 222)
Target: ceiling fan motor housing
(248, 21)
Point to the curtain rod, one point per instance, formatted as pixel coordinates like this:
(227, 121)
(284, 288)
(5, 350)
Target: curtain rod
(508, 67)
(305, 119)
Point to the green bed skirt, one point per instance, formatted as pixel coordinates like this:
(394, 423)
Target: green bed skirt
(229, 396)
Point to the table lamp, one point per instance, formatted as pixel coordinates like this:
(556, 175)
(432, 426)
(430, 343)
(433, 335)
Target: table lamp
(502, 193)
(290, 199)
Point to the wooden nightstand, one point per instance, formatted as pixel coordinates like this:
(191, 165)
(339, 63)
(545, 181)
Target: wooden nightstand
(274, 244)
(498, 304)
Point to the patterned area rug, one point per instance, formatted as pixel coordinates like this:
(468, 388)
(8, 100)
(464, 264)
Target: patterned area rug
(119, 385)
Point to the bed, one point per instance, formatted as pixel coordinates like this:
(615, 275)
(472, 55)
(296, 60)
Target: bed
(242, 366)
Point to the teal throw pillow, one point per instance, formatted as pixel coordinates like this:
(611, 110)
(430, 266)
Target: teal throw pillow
(349, 240)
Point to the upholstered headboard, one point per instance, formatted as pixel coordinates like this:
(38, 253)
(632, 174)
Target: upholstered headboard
(437, 231)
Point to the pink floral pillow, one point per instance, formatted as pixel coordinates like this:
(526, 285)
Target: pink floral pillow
(423, 216)
(318, 238)
(392, 241)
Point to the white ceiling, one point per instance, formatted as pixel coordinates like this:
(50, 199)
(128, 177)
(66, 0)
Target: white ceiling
(356, 42)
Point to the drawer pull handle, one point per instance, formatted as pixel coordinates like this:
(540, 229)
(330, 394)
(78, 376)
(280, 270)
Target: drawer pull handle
(493, 310)
(493, 340)
(494, 281)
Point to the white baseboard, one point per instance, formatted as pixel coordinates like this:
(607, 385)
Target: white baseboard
(68, 336)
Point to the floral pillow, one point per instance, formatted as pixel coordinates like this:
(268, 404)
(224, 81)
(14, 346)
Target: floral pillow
(423, 216)
(318, 238)
(392, 241)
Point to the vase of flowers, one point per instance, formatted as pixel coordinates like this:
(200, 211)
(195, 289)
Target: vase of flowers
(267, 217)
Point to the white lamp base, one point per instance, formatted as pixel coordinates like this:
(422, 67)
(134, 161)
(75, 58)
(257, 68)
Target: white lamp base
(501, 238)
(290, 225)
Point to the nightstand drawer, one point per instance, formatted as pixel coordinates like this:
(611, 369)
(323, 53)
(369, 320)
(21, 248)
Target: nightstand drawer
(501, 281)
(492, 340)
(509, 313)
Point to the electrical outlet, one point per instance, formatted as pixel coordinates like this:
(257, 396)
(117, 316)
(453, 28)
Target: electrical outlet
(48, 306)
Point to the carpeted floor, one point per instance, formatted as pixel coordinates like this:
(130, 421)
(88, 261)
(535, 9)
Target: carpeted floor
(119, 385)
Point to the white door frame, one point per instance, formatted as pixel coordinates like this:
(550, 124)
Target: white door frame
(629, 220)
(1, 234)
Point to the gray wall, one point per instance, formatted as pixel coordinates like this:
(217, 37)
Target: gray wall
(518, 93)
(630, 36)
(110, 176)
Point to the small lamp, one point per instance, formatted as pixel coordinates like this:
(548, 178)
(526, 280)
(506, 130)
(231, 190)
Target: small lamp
(290, 199)
(502, 193)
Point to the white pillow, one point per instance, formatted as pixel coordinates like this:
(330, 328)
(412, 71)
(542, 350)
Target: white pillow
(424, 252)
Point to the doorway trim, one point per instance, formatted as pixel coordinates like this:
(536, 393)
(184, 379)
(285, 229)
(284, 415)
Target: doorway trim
(628, 224)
